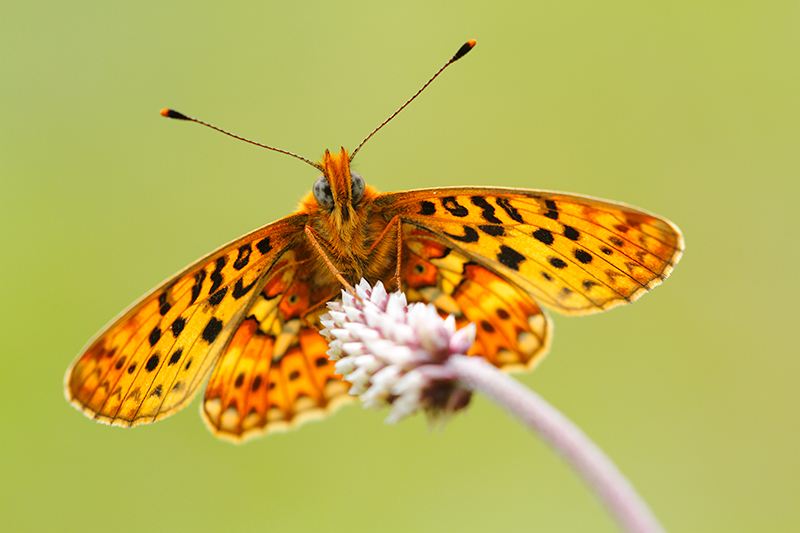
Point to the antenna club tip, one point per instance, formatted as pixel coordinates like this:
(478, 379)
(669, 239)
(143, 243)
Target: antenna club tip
(171, 113)
(467, 46)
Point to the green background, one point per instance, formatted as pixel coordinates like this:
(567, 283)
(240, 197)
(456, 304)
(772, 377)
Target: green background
(687, 109)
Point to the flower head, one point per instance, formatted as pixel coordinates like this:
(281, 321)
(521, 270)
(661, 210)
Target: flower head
(394, 354)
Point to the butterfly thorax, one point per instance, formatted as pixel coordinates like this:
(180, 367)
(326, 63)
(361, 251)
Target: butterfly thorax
(348, 230)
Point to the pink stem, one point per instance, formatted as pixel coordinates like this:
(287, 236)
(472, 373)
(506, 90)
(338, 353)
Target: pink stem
(602, 475)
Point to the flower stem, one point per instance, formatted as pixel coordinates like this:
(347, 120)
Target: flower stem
(599, 472)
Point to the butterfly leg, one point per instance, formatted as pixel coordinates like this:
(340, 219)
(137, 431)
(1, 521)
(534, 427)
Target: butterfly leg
(399, 250)
(398, 223)
(338, 275)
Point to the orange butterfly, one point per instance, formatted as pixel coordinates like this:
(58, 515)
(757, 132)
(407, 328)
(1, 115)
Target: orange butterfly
(248, 312)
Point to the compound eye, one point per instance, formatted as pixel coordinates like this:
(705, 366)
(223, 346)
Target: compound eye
(322, 192)
(357, 186)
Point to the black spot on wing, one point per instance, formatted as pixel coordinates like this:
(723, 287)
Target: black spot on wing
(154, 336)
(244, 256)
(606, 250)
(553, 211)
(557, 262)
(216, 276)
(510, 257)
(571, 233)
(198, 285)
(256, 383)
(175, 357)
(426, 208)
(470, 235)
(491, 229)
(543, 235)
(212, 329)
(157, 391)
(217, 297)
(152, 363)
(583, 256)
(240, 289)
(511, 211)
(455, 209)
(263, 245)
(178, 326)
(163, 305)
(487, 209)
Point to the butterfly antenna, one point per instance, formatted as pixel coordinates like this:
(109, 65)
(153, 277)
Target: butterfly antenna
(170, 113)
(461, 53)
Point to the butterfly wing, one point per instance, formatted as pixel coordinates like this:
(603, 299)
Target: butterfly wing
(512, 331)
(574, 254)
(148, 362)
(275, 373)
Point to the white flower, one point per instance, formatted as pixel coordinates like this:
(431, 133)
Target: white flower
(393, 353)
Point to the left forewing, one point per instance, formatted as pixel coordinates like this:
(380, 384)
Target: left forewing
(149, 361)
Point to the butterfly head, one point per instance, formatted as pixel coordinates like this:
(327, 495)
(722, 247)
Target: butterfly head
(339, 190)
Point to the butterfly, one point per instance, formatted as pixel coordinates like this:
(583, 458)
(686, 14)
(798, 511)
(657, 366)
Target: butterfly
(248, 313)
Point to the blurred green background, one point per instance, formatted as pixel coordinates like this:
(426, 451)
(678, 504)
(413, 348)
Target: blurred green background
(687, 109)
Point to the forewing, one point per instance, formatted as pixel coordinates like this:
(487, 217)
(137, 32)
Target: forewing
(148, 362)
(275, 373)
(574, 254)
